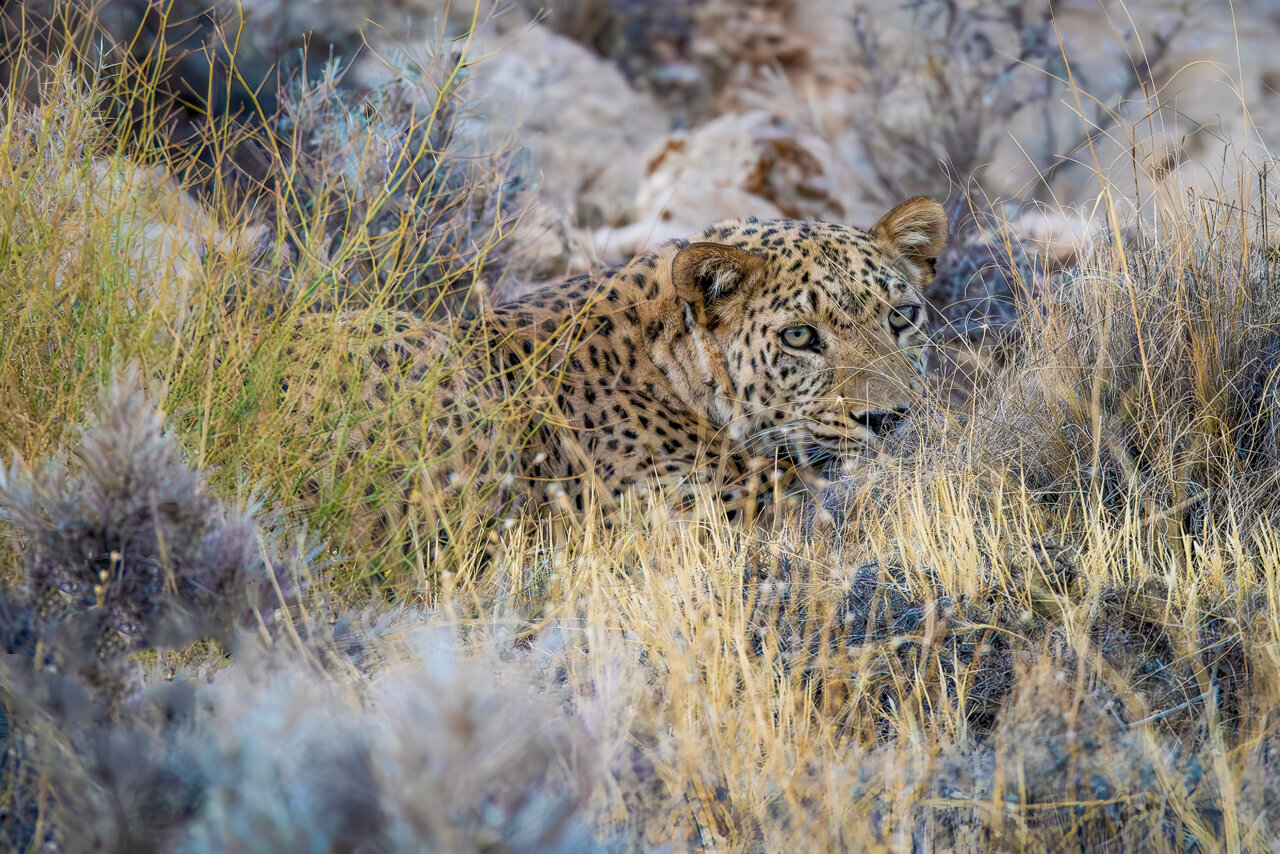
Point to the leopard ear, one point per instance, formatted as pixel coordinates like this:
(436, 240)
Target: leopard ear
(713, 270)
(914, 233)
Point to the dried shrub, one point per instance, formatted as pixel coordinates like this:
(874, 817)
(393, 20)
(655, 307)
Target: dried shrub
(943, 95)
(126, 552)
(1060, 602)
(452, 749)
(373, 188)
(215, 69)
(129, 550)
(1148, 382)
(388, 196)
(203, 75)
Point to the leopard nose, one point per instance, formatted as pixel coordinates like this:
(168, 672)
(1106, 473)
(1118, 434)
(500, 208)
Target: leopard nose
(881, 421)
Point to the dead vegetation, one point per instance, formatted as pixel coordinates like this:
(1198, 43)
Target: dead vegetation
(1047, 621)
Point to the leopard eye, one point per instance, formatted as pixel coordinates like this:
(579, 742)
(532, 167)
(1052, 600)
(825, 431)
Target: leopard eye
(800, 337)
(903, 317)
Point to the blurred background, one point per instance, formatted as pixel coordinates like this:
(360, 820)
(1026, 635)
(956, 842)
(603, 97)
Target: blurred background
(652, 118)
(1063, 604)
(609, 126)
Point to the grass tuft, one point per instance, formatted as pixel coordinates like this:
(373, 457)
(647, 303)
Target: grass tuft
(1047, 620)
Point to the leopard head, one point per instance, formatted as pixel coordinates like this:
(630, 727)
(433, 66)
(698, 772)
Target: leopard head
(819, 325)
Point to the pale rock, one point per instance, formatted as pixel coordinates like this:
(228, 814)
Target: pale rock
(585, 127)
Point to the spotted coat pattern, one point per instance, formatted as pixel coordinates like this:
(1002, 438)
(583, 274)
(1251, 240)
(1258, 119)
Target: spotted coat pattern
(725, 365)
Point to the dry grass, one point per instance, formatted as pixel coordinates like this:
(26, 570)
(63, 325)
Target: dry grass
(1050, 622)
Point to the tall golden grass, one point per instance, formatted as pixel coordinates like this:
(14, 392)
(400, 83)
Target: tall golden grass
(1047, 620)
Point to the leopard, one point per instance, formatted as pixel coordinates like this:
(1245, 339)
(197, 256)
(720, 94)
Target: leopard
(731, 366)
